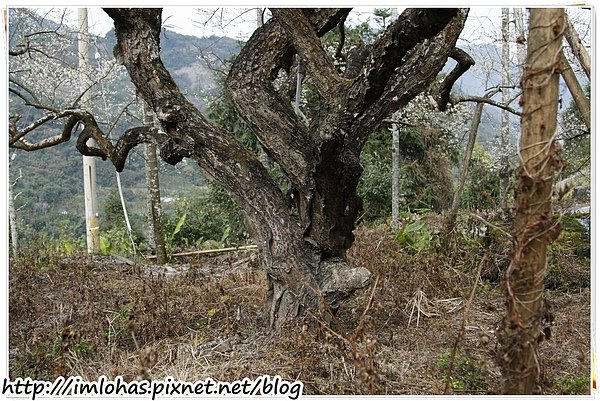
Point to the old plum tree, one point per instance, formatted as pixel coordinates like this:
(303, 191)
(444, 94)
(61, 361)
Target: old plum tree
(302, 239)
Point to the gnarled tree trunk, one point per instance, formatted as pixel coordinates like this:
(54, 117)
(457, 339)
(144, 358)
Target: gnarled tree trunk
(302, 239)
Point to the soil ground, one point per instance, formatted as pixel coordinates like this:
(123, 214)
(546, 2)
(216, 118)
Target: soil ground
(203, 318)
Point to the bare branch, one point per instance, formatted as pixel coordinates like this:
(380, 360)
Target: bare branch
(37, 105)
(340, 47)
(422, 63)
(21, 85)
(19, 142)
(16, 135)
(27, 47)
(484, 99)
(580, 133)
(105, 149)
(464, 62)
(23, 49)
(222, 70)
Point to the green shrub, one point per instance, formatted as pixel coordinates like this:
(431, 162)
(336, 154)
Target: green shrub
(84, 348)
(209, 215)
(416, 235)
(117, 325)
(118, 241)
(375, 188)
(483, 182)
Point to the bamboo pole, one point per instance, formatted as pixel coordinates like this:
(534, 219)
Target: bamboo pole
(211, 251)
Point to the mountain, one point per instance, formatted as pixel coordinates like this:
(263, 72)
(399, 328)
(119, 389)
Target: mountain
(192, 61)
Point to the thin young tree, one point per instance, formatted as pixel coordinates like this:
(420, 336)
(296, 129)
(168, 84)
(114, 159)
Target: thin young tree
(480, 101)
(153, 187)
(452, 215)
(395, 163)
(395, 177)
(581, 100)
(523, 329)
(505, 134)
(579, 50)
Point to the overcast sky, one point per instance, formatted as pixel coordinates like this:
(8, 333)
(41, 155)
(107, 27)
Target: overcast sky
(239, 23)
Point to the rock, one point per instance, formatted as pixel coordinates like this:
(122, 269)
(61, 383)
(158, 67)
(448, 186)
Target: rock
(341, 280)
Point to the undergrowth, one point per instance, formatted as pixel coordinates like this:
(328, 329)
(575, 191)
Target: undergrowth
(74, 315)
(467, 376)
(571, 385)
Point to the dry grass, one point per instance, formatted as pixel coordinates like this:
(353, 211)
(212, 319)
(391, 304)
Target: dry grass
(92, 317)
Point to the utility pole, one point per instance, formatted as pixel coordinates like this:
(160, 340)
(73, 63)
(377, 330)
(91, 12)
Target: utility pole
(92, 221)
(12, 216)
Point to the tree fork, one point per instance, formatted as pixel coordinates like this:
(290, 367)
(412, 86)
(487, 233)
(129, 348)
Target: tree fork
(302, 242)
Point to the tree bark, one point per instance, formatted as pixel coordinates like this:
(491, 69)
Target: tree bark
(262, 155)
(302, 239)
(522, 328)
